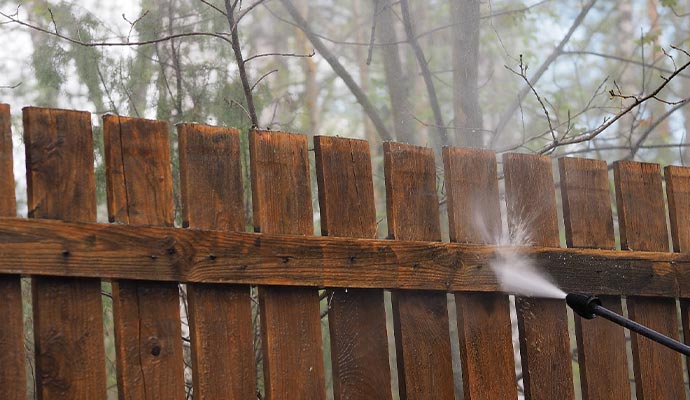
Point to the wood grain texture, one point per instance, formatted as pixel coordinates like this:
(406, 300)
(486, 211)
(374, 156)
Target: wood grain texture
(642, 224)
(543, 323)
(484, 329)
(220, 319)
(68, 325)
(678, 194)
(54, 248)
(589, 223)
(148, 337)
(420, 319)
(12, 372)
(290, 317)
(357, 318)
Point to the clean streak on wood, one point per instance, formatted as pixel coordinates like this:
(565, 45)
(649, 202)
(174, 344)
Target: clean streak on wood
(290, 316)
(12, 372)
(357, 318)
(148, 336)
(678, 194)
(484, 329)
(186, 255)
(642, 224)
(589, 223)
(420, 319)
(220, 319)
(543, 323)
(68, 324)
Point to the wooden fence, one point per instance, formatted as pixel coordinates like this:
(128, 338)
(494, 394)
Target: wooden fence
(145, 258)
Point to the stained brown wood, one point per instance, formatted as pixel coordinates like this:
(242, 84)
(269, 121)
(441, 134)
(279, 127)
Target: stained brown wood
(678, 194)
(420, 319)
(357, 318)
(220, 320)
(68, 325)
(642, 225)
(12, 373)
(543, 323)
(54, 248)
(589, 223)
(474, 214)
(148, 335)
(290, 317)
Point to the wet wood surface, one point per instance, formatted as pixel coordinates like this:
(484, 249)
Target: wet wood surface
(68, 325)
(148, 336)
(12, 372)
(484, 327)
(420, 319)
(356, 317)
(589, 223)
(220, 316)
(290, 316)
(543, 323)
(642, 225)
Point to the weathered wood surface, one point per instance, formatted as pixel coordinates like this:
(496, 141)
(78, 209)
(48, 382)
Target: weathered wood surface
(484, 327)
(68, 325)
(59, 248)
(642, 224)
(589, 223)
(148, 337)
(543, 323)
(290, 316)
(357, 318)
(12, 372)
(678, 194)
(220, 320)
(422, 338)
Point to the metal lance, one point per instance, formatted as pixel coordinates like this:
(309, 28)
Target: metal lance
(589, 306)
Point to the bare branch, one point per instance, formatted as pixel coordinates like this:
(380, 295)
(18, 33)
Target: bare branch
(131, 24)
(312, 54)
(16, 85)
(262, 77)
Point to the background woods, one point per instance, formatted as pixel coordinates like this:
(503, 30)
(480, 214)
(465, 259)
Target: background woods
(597, 78)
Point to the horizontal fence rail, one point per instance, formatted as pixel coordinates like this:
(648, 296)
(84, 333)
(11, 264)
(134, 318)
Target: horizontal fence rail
(56, 248)
(254, 303)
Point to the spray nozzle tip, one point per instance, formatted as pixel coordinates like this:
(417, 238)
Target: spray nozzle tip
(583, 304)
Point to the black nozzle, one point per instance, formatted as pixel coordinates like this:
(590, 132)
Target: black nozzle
(583, 304)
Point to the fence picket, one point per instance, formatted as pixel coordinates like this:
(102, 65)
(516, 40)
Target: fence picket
(68, 324)
(220, 320)
(678, 194)
(148, 335)
(474, 215)
(642, 225)
(542, 323)
(589, 223)
(422, 337)
(12, 372)
(290, 317)
(357, 318)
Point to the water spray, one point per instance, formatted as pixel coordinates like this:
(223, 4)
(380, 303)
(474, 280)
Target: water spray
(589, 306)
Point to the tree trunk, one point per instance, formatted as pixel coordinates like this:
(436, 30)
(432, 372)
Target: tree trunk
(467, 113)
(310, 120)
(398, 89)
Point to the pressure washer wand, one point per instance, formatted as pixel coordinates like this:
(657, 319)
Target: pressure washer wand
(589, 306)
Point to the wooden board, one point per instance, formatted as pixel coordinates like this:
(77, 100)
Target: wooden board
(678, 194)
(12, 372)
(68, 324)
(357, 318)
(642, 225)
(542, 323)
(589, 223)
(148, 335)
(290, 317)
(484, 329)
(420, 319)
(220, 319)
(184, 255)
